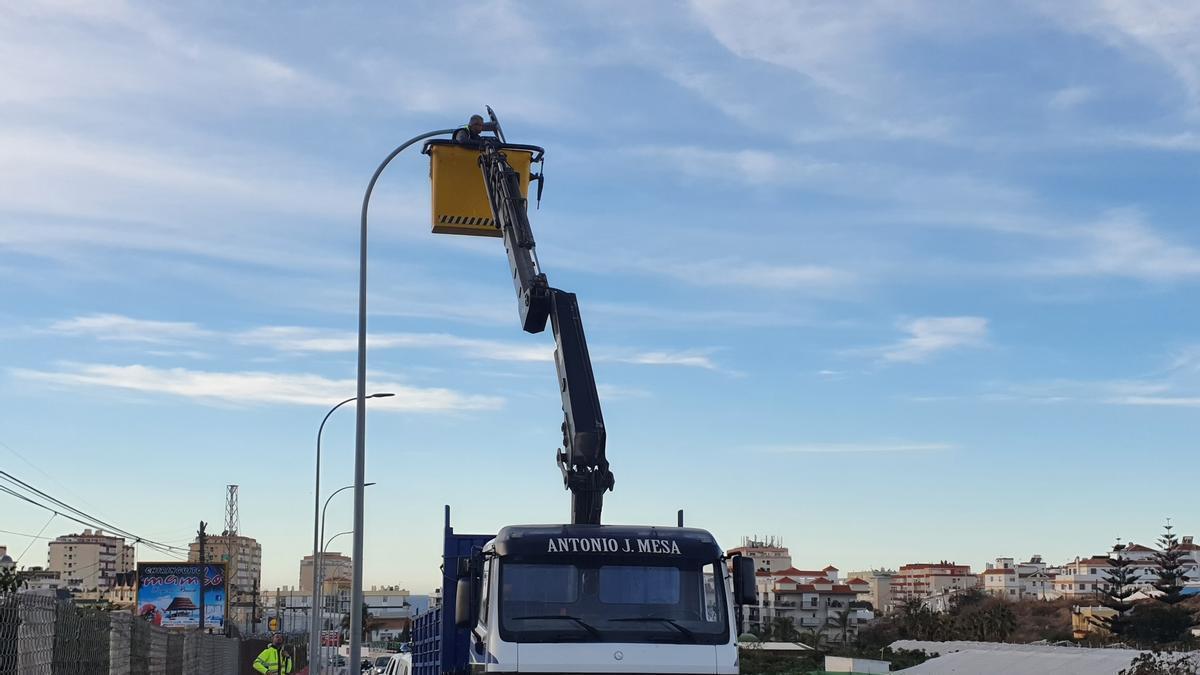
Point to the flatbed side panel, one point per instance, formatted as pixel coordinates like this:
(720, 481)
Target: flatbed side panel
(439, 647)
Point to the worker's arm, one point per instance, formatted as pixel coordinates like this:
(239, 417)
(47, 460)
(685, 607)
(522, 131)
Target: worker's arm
(261, 663)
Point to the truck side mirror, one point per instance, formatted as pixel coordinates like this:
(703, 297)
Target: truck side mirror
(745, 591)
(467, 592)
(466, 607)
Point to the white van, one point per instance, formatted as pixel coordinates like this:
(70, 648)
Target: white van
(399, 664)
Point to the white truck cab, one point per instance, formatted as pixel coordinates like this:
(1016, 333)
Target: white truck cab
(602, 599)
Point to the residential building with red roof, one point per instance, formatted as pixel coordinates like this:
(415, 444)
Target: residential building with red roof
(811, 599)
(770, 555)
(1018, 581)
(932, 583)
(879, 587)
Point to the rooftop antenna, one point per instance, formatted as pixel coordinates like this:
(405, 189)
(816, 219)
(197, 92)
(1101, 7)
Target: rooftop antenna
(231, 510)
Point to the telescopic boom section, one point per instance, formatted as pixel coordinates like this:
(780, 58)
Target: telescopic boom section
(582, 461)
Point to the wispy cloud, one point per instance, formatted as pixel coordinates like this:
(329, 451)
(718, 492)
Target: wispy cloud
(854, 448)
(1122, 244)
(1163, 401)
(612, 392)
(692, 359)
(252, 387)
(301, 339)
(809, 38)
(97, 50)
(1068, 98)
(872, 181)
(118, 328)
(751, 274)
(1174, 385)
(1162, 31)
(929, 336)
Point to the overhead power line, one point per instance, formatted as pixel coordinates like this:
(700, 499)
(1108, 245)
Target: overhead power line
(36, 536)
(58, 507)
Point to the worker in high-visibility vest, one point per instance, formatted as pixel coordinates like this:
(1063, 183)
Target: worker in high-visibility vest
(273, 660)
(470, 131)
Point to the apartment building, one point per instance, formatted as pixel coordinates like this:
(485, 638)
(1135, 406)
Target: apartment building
(88, 562)
(335, 568)
(242, 556)
(1086, 576)
(1018, 581)
(879, 585)
(932, 583)
(812, 599)
(819, 605)
(769, 554)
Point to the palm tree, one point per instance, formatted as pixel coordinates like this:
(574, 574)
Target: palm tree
(815, 638)
(843, 621)
(783, 628)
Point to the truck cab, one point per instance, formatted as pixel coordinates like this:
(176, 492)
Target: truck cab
(600, 599)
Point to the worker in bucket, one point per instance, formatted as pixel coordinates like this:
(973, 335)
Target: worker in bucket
(470, 132)
(274, 660)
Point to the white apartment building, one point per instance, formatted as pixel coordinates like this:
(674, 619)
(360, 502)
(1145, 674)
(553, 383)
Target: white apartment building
(89, 562)
(42, 580)
(1144, 564)
(816, 606)
(879, 584)
(1018, 581)
(810, 598)
(769, 554)
(935, 584)
(1085, 577)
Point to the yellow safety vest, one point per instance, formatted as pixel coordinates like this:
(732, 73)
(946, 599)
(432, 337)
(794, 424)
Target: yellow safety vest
(268, 662)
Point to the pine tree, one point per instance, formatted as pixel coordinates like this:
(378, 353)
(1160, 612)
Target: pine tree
(1169, 622)
(1120, 583)
(1168, 561)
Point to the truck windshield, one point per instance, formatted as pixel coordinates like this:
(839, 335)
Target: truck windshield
(605, 601)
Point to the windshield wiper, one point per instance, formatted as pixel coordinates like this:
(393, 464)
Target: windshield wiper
(670, 622)
(586, 626)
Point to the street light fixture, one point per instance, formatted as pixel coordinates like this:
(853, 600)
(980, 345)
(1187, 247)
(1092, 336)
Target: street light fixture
(318, 573)
(313, 638)
(330, 541)
(330, 498)
(360, 418)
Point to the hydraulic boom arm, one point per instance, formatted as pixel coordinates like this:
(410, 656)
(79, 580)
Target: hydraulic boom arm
(582, 461)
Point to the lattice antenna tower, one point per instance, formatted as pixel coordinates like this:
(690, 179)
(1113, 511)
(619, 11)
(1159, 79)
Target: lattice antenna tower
(231, 510)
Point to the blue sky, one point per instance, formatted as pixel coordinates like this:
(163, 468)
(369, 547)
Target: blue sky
(894, 281)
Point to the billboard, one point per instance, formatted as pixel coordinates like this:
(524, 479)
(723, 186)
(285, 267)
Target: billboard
(168, 594)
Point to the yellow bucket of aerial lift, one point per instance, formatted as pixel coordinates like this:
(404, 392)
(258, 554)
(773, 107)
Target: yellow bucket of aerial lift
(460, 200)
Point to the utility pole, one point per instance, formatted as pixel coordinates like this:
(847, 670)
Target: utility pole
(254, 610)
(202, 536)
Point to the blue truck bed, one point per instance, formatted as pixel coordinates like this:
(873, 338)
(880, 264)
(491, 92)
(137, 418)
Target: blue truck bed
(440, 648)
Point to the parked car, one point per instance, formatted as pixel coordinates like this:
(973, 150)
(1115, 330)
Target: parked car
(399, 664)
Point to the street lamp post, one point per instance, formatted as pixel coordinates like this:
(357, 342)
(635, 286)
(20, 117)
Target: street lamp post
(360, 418)
(319, 561)
(319, 577)
(313, 638)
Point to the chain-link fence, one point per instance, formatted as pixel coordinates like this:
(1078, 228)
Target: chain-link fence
(42, 635)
